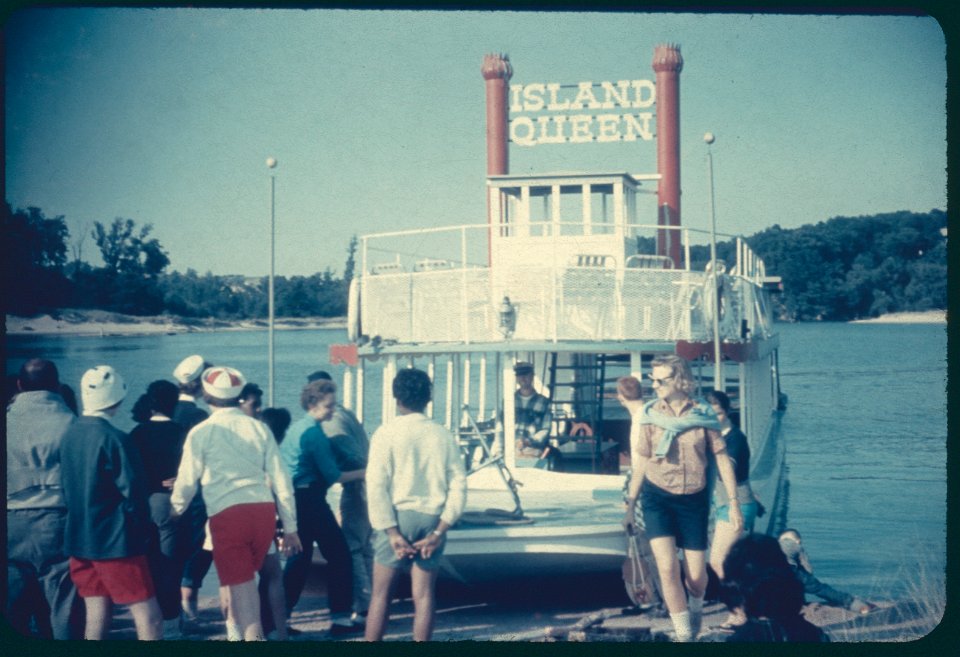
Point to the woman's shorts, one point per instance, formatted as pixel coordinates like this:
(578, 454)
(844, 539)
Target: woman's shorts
(242, 535)
(684, 517)
(125, 581)
(414, 526)
(748, 509)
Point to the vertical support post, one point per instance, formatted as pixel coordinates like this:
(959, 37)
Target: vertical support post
(509, 411)
(270, 304)
(714, 287)
(361, 381)
(482, 398)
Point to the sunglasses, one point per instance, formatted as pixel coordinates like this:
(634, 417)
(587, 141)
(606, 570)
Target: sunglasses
(659, 382)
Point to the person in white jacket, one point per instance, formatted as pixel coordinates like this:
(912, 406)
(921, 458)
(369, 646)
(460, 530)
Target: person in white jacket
(416, 491)
(236, 460)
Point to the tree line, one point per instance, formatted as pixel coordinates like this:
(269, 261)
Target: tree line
(840, 269)
(39, 276)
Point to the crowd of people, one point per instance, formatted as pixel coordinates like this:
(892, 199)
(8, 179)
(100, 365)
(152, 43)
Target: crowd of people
(97, 517)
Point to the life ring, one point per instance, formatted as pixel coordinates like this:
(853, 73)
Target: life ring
(353, 310)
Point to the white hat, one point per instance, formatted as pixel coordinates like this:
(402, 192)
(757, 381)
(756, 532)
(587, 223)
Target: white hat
(101, 387)
(223, 382)
(189, 369)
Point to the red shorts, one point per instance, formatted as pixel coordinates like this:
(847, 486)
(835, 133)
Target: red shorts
(125, 581)
(241, 535)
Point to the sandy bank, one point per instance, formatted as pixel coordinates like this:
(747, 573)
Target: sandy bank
(99, 322)
(926, 317)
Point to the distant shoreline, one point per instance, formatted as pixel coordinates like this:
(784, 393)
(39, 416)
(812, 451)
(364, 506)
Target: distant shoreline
(77, 323)
(924, 317)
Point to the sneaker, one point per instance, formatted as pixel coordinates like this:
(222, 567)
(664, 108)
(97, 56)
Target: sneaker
(338, 630)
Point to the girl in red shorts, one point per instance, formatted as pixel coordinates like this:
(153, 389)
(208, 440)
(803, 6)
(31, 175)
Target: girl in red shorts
(108, 521)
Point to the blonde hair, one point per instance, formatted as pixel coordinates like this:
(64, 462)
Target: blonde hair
(680, 370)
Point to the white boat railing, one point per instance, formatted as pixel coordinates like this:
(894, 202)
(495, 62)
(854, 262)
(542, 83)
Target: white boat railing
(435, 285)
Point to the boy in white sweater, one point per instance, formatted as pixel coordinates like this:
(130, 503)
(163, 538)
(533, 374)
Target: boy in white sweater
(416, 491)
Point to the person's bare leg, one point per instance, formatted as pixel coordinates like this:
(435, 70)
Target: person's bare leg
(724, 536)
(278, 610)
(99, 612)
(664, 550)
(245, 609)
(147, 619)
(379, 611)
(424, 602)
(695, 572)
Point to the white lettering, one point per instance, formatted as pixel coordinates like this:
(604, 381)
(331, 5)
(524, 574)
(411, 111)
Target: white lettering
(580, 128)
(609, 125)
(533, 97)
(555, 106)
(557, 137)
(526, 123)
(639, 86)
(635, 127)
(615, 94)
(515, 91)
(585, 95)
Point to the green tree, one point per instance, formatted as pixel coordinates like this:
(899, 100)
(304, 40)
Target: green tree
(133, 261)
(35, 252)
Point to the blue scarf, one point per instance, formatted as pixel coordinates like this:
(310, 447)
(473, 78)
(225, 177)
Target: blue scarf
(701, 415)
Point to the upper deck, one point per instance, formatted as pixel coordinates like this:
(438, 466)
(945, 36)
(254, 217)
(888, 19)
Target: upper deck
(560, 262)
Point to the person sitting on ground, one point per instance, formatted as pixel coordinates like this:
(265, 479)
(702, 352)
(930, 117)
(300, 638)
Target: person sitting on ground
(792, 548)
(759, 580)
(108, 532)
(245, 485)
(416, 488)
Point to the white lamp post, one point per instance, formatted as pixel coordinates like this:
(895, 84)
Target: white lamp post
(271, 164)
(717, 367)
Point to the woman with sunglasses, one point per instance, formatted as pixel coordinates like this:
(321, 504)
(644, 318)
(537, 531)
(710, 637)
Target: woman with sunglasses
(676, 437)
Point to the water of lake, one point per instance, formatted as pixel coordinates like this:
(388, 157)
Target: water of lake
(866, 430)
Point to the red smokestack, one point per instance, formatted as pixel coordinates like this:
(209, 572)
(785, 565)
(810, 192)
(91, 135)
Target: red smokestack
(497, 72)
(667, 63)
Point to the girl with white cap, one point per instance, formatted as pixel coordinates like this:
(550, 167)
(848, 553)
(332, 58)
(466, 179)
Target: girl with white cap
(236, 460)
(108, 526)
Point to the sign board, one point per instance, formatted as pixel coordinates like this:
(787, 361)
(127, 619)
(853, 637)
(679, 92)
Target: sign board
(551, 113)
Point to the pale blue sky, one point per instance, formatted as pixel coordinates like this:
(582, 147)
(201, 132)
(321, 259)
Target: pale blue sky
(377, 119)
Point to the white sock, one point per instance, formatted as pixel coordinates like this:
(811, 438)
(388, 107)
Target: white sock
(681, 623)
(233, 632)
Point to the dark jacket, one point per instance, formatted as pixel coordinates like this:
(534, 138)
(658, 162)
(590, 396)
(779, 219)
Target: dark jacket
(187, 414)
(160, 445)
(105, 492)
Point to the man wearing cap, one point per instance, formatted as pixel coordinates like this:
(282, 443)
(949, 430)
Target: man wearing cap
(187, 414)
(108, 530)
(38, 570)
(237, 459)
(351, 447)
(532, 412)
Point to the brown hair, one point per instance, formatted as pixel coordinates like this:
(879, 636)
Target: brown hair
(315, 391)
(629, 388)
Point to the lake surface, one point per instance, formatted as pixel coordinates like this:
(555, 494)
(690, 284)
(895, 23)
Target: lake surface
(866, 430)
